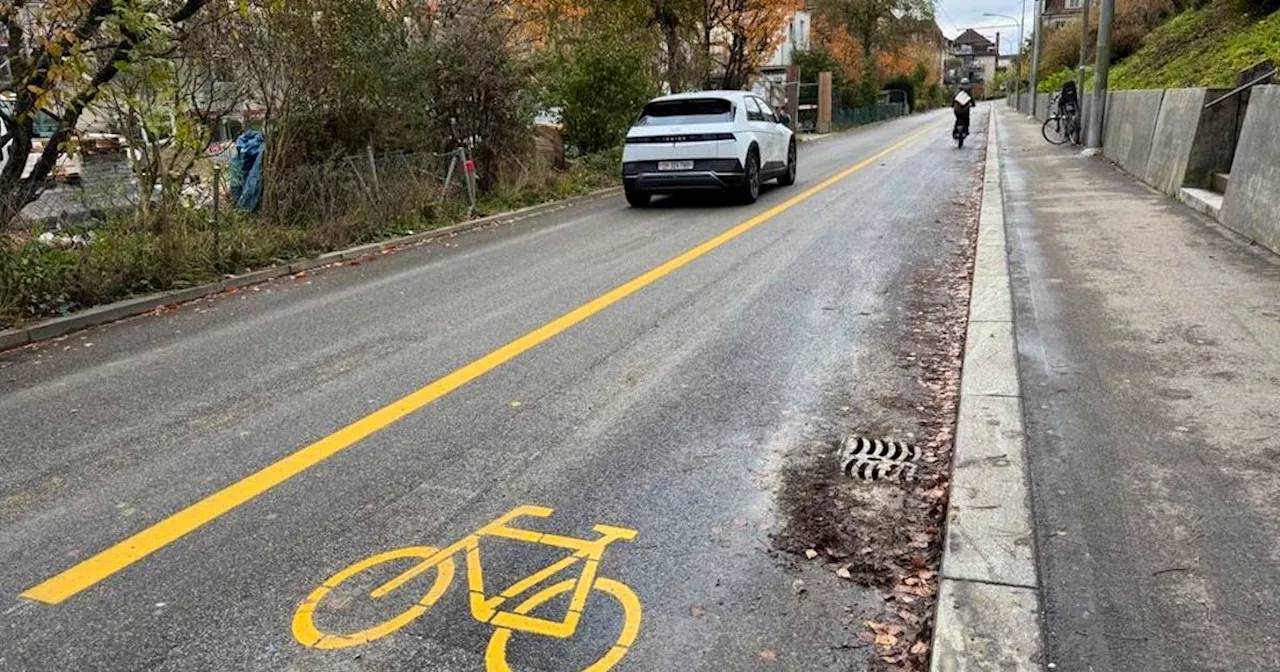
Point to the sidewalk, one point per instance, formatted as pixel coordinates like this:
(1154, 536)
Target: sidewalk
(1149, 350)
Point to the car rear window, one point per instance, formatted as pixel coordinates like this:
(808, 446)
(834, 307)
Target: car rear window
(684, 112)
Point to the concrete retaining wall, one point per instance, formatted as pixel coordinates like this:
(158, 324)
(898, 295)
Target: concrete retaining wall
(1189, 142)
(1042, 105)
(1252, 204)
(1130, 128)
(1172, 139)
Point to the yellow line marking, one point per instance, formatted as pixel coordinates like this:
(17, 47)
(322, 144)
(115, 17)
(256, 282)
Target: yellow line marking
(125, 553)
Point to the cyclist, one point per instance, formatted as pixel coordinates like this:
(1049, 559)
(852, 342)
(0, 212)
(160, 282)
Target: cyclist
(961, 104)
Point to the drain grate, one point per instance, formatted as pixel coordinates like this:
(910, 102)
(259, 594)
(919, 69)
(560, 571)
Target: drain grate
(877, 459)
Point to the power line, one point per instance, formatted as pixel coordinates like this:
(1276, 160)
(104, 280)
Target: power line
(954, 26)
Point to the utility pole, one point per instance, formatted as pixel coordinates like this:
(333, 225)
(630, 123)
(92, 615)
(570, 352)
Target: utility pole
(1022, 41)
(1102, 70)
(1035, 59)
(1084, 43)
(1017, 80)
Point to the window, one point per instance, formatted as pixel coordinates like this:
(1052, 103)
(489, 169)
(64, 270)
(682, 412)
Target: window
(768, 114)
(753, 110)
(1075, 4)
(685, 112)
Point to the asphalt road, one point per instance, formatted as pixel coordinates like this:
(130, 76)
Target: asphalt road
(668, 413)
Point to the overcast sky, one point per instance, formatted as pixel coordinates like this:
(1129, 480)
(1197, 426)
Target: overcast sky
(956, 15)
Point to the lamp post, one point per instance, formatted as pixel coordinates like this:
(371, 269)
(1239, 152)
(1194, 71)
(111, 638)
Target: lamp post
(1017, 81)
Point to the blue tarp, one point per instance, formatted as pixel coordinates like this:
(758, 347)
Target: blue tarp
(246, 171)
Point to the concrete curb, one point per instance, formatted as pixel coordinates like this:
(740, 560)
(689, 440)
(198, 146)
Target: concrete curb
(988, 605)
(92, 317)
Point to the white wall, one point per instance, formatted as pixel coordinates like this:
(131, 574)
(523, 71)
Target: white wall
(796, 38)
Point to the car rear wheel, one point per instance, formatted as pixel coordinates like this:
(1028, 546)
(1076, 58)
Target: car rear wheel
(637, 199)
(789, 178)
(749, 191)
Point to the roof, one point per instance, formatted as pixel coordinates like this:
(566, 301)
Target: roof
(971, 36)
(693, 95)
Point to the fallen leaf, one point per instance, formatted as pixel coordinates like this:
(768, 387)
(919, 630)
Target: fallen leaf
(697, 611)
(920, 648)
(886, 641)
(769, 655)
(811, 554)
(843, 573)
(516, 404)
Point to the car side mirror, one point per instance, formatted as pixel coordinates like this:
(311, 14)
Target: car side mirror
(784, 119)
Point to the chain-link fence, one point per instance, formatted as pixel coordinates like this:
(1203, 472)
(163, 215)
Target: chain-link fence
(385, 185)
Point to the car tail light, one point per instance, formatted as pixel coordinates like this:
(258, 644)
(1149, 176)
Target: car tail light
(677, 139)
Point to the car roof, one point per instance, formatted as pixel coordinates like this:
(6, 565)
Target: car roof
(703, 95)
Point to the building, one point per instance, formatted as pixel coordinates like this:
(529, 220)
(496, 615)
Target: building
(1058, 13)
(771, 85)
(973, 57)
(797, 38)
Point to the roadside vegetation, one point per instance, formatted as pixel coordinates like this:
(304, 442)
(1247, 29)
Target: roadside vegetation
(362, 105)
(1172, 43)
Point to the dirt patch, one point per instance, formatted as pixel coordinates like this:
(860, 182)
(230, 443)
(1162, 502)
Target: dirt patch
(888, 535)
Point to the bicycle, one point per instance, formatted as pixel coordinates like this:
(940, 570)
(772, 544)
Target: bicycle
(483, 608)
(959, 133)
(1063, 125)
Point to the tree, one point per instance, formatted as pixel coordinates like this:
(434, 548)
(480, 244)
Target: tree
(606, 81)
(875, 25)
(62, 56)
(168, 109)
(739, 35)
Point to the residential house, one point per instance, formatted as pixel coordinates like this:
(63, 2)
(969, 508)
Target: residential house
(771, 85)
(1058, 13)
(973, 57)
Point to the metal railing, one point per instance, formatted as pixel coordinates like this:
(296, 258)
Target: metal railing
(1256, 81)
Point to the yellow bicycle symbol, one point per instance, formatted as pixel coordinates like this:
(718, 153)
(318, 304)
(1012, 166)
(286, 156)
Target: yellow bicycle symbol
(485, 609)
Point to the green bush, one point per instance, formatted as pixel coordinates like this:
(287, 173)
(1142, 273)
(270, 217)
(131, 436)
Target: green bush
(175, 248)
(1201, 47)
(604, 86)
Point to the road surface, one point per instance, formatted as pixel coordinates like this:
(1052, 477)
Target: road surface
(176, 486)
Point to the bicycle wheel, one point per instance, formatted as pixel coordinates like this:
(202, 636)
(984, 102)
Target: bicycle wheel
(495, 656)
(1055, 130)
(304, 625)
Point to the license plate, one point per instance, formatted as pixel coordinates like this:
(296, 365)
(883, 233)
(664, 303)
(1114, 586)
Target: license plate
(675, 165)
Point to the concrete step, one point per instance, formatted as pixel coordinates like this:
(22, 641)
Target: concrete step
(1219, 181)
(1202, 201)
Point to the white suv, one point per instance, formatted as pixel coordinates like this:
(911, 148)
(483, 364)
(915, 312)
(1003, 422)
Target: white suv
(726, 140)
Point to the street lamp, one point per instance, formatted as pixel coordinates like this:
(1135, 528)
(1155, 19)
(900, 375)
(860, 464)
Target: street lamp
(1017, 81)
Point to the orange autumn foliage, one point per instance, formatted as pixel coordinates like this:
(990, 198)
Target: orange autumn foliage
(744, 34)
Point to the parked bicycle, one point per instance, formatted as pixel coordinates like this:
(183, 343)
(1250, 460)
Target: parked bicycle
(1063, 125)
(486, 607)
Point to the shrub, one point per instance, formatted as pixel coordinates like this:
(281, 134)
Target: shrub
(604, 86)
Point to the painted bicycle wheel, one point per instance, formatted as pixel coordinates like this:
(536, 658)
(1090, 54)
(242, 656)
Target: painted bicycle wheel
(309, 634)
(496, 654)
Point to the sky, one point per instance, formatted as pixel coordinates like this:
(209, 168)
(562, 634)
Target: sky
(956, 15)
